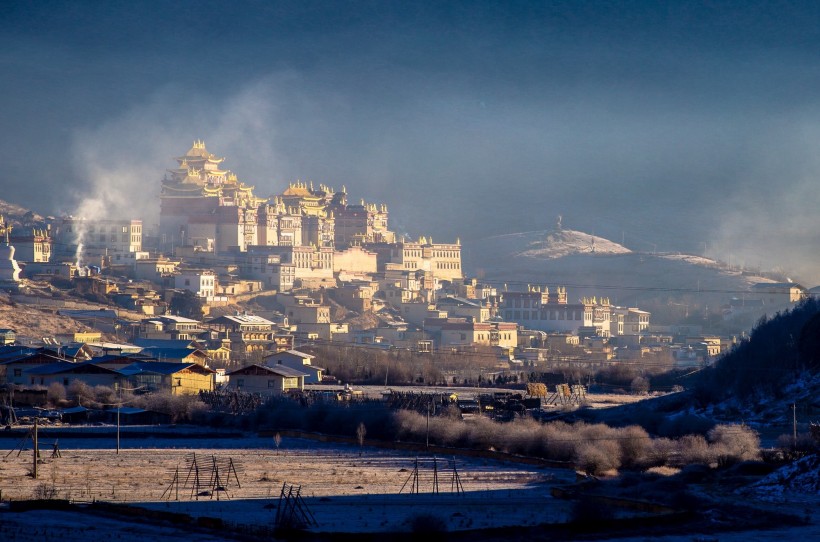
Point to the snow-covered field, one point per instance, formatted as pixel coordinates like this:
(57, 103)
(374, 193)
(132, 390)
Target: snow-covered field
(346, 488)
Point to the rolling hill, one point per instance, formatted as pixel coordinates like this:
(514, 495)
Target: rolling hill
(672, 286)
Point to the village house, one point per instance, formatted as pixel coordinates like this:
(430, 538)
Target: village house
(50, 270)
(460, 333)
(300, 361)
(170, 327)
(247, 333)
(417, 312)
(173, 377)
(16, 360)
(139, 298)
(628, 321)
(202, 282)
(66, 373)
(177, 355)
(155, 269)
(7, 336)
(459, 307)
(267, 381)
(304, 309)
(356, 296)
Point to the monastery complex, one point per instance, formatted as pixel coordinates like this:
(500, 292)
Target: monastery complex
(328, 268)
(316, 230)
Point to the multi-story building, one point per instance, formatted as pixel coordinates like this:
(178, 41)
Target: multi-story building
(206, 206)
(628, 321)
(268, 268)
(308, 263)
(459, 333)
(31, 244)
(458, 307)
(360, 224)
(169, 327)
(545, 310)
(304, 309)
(199, 200)
(443, 261)
(201, 282)
(99, 242)
(247, 333)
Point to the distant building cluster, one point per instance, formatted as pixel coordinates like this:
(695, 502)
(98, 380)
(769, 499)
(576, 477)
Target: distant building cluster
(327, 271)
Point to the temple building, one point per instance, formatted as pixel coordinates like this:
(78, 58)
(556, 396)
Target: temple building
(33, 244)
(201, 201)
(205, 207)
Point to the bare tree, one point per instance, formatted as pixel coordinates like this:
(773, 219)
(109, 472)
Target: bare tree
(277, 440)
(361, 431)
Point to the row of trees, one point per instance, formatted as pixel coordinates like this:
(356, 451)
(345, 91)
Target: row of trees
(372, 365)
(181, 408)
(777, 350)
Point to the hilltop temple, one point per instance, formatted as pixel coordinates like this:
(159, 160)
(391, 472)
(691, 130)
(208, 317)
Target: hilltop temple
(203, 204)
(206, 207)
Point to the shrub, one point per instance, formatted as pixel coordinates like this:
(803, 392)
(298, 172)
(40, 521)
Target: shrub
(639, 385)
(44, 491)
(694, 449)
(660, 451)
(598, 457)
(105, 395)
(181, 408)
(635, 446)
(733, 443)
(56, 393)
(81, 392)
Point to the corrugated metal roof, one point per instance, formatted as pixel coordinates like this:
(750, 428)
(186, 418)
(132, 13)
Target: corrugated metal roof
(279, 370)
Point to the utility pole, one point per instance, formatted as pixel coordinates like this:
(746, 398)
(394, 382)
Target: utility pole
(428, 426)
(36, 450)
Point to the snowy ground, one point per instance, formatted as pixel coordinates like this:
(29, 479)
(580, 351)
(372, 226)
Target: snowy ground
(345, 490)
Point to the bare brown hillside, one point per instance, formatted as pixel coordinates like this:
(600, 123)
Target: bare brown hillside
(31, 322)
